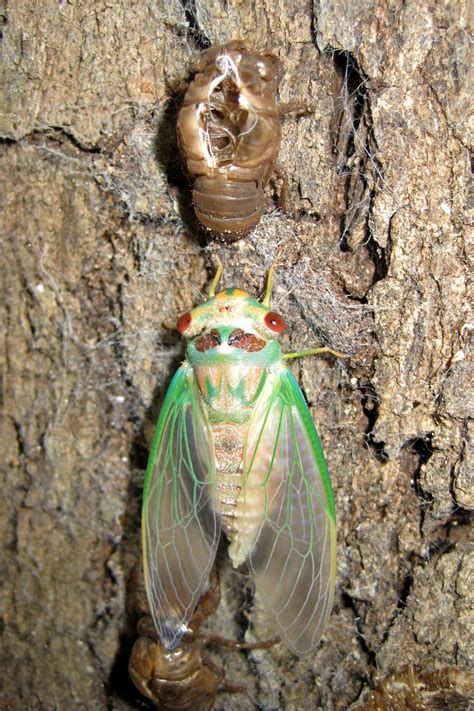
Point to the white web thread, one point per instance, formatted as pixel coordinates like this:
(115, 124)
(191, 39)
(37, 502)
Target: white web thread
(228, 68)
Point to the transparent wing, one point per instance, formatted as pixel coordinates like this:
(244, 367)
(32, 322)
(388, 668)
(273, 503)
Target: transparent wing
(180, 527)
(289, 535)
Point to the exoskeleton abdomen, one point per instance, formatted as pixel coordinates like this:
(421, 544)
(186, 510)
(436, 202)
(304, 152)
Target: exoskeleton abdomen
(225, 206)
(229, 133)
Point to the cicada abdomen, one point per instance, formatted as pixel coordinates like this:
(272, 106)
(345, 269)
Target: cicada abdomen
(229, 133)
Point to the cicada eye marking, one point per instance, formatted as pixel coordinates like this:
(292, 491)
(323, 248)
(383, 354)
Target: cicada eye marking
(275, 322)
(235, 336)
(208, 341)
(184, 322)
(245, 341)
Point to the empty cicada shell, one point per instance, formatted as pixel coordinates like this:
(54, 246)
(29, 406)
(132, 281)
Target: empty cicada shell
(181, 678)
(229, 133)
(184, 677)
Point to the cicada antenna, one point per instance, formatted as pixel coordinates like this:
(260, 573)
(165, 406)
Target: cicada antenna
(315, 351)
(270, 277)
(268, 290)
(217, 276)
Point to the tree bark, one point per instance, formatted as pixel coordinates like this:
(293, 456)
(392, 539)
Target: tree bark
(100, 251)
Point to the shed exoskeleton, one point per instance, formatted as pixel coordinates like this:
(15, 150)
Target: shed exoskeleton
(184, 677)
(229, 133)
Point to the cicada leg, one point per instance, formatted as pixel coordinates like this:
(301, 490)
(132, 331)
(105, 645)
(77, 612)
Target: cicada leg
(208, 604)
(314, 351)
(224, 685)
(281, 173)
(211, 638)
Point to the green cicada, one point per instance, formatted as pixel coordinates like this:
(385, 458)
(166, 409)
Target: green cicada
(236, 448)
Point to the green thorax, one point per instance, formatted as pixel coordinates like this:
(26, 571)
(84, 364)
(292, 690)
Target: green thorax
(231, 378)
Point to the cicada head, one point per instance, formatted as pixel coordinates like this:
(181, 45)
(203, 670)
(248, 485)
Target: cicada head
(231, 320)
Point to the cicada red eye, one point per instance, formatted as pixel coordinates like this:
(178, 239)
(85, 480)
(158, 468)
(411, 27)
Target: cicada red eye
(275, 322)
(184, 322)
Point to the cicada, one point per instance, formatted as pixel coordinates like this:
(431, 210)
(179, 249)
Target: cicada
(236, 449)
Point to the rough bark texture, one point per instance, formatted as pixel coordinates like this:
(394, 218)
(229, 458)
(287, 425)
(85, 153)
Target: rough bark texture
(99, 251)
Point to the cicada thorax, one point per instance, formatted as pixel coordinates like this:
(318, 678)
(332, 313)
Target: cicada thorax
(230, 391)
(231, 367)
(229, 133)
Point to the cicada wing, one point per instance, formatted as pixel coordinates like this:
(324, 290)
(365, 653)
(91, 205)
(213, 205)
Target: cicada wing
(180, 526)
(290, 546)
